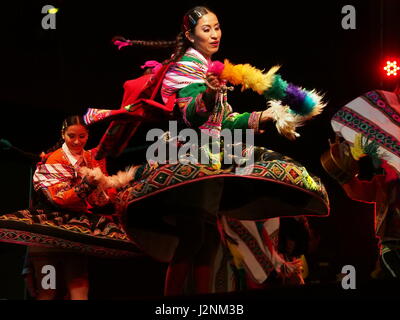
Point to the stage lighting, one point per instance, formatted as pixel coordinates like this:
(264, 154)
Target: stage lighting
(391, 68)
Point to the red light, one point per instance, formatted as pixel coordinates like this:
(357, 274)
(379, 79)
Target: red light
(391, 68)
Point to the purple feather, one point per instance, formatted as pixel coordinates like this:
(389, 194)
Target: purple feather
(294, 98)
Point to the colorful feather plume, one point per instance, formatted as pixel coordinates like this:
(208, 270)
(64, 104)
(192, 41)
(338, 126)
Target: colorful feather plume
(356, 149)
(244, 74)
(292, 105)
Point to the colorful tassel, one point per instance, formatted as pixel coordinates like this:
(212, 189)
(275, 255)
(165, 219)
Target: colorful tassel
(216, 67)
(152, 64)
(309, 181)
(121, 42)
(214, 158)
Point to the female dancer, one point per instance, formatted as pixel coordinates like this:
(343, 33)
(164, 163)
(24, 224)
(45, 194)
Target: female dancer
(274, 181)
(72, 216)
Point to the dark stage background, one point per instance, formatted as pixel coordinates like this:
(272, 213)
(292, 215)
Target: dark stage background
(47, 75)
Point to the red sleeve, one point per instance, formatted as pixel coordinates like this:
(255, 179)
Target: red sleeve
(364, 190)
(102, 164)
(65, 194)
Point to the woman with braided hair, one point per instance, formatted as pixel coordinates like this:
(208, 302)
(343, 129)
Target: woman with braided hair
(197, 197)
(199, 93)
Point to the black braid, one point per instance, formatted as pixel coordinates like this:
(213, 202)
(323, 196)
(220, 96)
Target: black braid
(145, 43)
(181, 45)
(154, 44)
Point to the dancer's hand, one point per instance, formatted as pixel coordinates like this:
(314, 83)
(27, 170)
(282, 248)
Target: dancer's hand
(213, 85)
(265, 116)
(213, 81)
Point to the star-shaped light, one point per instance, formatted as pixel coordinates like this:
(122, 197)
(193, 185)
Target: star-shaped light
(391, 68)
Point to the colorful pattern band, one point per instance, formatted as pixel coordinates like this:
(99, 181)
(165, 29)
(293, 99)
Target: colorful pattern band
(375, 115)
(269, 166)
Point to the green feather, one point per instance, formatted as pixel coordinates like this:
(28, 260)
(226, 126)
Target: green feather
(277, 90)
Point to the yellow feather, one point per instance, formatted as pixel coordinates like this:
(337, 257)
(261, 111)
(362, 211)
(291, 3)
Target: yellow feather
(305, 266)
(357, 150)
(237, 257)
(231, 74)
(269, 77)
(248, 76)
(253, 78)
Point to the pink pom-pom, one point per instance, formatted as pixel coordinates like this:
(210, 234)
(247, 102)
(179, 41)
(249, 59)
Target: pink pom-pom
(216, 67)
(155, 65)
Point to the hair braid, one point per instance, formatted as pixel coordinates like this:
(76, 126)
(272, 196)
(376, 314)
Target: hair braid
(181, 45)
(154, 44)
(121, 41)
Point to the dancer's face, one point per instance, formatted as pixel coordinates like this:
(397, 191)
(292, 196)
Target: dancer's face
(207, 35)
(75, 137)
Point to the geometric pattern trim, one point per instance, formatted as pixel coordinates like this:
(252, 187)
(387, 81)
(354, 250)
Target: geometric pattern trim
(351, 119)
(377, 99)
(88, 233)
(34, 239)
(251, 243)
(271, 166)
